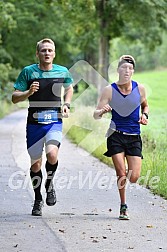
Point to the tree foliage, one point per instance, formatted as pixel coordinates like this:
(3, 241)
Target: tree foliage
(7, 23)
(97, 22)
(81, 29)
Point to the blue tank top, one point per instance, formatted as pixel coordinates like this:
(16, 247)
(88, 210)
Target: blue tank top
(125, 109)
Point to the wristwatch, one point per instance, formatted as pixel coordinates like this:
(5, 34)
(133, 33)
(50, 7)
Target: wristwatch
(146, 115)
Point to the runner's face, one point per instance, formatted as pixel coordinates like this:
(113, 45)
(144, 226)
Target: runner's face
(125, 71)
(46, 53)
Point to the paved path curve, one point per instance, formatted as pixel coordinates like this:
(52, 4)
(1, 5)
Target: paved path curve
(85, 217)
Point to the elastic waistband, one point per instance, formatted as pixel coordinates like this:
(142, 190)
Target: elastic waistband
(124, 133)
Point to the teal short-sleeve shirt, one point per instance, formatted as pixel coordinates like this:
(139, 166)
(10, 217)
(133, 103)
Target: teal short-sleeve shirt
(33, 72)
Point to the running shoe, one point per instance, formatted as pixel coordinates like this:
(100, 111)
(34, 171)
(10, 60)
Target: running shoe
(51, 197)
(124, 212)
(37, 208)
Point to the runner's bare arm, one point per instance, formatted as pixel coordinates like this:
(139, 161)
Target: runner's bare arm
(144, 105)
(103, 105)
(19, 96)
(68, 93)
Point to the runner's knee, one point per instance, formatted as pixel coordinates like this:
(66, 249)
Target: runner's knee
(52, 158)
(36, 166)
(133, 178)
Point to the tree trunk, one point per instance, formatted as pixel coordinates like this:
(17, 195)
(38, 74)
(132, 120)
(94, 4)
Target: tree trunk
(103, 63)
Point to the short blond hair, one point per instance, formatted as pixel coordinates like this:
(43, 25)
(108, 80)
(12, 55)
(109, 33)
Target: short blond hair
(45, 40)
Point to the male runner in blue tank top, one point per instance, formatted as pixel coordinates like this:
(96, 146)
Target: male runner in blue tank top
(41, 84)
(126, 99)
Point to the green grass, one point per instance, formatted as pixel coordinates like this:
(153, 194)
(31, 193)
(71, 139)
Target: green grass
(155, 82)
(90, 134)
(155, 134)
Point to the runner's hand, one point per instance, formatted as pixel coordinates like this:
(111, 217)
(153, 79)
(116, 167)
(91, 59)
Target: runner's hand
(34, 87)
(65, 111)
(106, 108)
(143, 120)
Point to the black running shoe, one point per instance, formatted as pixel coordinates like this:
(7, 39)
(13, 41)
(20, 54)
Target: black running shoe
(37, 208)
(51, 197)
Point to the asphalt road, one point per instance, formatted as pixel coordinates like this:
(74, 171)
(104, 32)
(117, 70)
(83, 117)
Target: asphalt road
(85, 217)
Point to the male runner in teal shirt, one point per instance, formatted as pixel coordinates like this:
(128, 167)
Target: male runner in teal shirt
(42, 84)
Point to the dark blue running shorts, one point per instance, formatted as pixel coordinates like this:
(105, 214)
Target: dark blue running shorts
(39, 134)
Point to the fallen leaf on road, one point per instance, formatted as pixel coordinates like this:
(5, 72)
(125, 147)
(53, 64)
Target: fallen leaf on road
(61, 230)
(31, 226)
(149, 226)
(95, 241)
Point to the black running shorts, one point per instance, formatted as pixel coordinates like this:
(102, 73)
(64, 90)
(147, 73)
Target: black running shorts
(129, 144)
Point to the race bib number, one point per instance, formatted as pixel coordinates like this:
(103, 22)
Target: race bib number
(47, 116)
